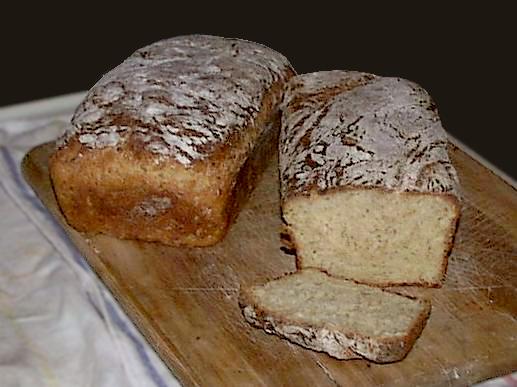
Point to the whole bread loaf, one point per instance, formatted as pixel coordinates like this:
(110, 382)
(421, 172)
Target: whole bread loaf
(368, 190)
(342, 318)
(168, 145)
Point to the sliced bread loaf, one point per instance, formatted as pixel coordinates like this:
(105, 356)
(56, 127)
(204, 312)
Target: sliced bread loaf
(368, 190)
(340, 317)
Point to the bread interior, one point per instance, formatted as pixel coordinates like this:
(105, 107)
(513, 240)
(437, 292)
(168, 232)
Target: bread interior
(373, 236)
(310, 297)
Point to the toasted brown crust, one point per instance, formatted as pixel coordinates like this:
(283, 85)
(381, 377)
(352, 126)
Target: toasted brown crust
(129, 193)
(328, 339)
(347, 128)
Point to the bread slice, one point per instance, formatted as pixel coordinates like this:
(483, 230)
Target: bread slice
(168, 145)
(368, 190)
(342, 318)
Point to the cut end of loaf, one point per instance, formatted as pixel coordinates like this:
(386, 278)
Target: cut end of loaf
(342, 318)
(374, 236)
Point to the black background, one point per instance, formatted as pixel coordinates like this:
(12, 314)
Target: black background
(463, 57)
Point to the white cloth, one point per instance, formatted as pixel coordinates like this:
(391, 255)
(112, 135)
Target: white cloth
(59, 326)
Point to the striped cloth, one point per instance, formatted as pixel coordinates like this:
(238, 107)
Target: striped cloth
(59, 326)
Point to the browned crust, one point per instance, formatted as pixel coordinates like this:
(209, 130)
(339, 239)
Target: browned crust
(454, 200)
(194, 218)
(311, 95)
(390, 350)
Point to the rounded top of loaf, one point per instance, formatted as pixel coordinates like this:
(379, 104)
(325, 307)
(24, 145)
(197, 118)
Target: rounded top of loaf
(349, 129)
(179, 97)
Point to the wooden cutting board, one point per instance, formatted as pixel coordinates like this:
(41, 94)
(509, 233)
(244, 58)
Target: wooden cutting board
(185, 300)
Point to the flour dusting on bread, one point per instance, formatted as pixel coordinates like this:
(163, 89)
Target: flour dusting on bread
(180, 97)
(346, 128)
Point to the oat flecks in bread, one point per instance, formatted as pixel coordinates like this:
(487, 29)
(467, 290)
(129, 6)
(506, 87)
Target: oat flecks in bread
(168, 145)
(368, 190)
(342, 318)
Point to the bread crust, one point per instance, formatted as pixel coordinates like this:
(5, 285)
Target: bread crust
(344, 129)
(135, 187)
(326, 338)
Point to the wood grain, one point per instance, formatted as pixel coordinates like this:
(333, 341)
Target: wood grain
(185, 300)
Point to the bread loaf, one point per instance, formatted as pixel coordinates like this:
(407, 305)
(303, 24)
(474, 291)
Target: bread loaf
(368, 191)
(342, 318)
(168, 145)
